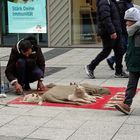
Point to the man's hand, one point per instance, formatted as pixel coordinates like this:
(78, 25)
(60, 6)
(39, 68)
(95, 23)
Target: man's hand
(18, 88)
(113, 36)
(40, 86)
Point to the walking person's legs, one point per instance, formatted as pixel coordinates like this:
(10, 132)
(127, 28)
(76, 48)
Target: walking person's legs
(131, 88)
(129, 93)
(111, 60)
(118, 51)
(101, 56)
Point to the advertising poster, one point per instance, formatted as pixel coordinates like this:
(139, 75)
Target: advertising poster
(27, 16)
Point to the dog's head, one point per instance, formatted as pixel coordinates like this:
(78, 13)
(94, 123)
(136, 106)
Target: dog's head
(33, 98)
(79, 91)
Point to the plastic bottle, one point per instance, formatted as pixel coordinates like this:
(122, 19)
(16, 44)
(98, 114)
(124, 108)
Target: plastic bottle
(2, 94)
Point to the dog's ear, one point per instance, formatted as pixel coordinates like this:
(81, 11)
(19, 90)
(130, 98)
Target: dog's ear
(76, 87)
(75, 84)
(71, 83)
(35, 94)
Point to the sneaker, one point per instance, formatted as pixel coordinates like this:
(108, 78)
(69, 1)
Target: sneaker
(89, 72)
(121, 75)
(124, 108)
(110, 64)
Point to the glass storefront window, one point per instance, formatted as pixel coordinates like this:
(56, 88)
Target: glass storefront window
(136, 2)
(9, 33)
(84, 22)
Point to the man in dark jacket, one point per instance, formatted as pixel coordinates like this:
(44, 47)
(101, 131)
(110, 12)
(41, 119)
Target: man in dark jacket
(122, 6)
(109, 28)
(26, 64)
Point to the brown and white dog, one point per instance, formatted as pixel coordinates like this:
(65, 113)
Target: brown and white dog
(80, 95)
(73, 94)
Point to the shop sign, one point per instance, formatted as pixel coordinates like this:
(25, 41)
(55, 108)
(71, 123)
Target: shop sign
(27, 16)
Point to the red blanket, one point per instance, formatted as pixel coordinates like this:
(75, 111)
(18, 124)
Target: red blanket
(105, 103)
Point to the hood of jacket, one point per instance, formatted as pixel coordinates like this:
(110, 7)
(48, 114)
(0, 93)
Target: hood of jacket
(133, 28)
(34, 48)
(17, 45)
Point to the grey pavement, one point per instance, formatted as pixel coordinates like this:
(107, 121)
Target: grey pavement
(29, 122)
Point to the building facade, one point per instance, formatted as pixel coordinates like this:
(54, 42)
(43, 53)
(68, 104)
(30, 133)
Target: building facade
(70, 23)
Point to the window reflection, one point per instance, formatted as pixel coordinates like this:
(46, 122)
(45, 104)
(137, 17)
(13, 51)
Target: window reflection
(84, 22)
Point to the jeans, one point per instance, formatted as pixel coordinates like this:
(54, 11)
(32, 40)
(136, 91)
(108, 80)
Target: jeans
(108, 45)
(131, 87)
(26, 75)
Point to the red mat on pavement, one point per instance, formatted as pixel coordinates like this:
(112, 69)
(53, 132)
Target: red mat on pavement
(105, 103)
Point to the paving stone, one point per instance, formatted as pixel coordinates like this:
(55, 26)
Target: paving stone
(64, 124)
(10, 138)
(15, 130)
(43, 112)
(126, 137)
(90, 137)
(130, 129)
(13, 110)
(29, 121)
(6, 119)
(51, 134)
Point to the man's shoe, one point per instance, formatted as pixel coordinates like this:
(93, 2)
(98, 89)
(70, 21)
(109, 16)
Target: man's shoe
(121, 75)
(124, 108)
(89, 72)
(110, 64)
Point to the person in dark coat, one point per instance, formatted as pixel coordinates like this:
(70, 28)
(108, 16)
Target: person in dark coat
(132, 17)
(109, 28)
(26, 64)
(122, 6)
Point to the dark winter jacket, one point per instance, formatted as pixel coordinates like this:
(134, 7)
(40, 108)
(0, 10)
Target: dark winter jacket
(108, 18)
(133, 51)
(35, 59)
(122, 6)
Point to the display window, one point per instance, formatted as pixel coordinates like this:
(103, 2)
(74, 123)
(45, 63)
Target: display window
(84, 22)
(21, 18)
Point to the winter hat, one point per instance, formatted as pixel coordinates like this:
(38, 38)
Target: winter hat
(132, 14)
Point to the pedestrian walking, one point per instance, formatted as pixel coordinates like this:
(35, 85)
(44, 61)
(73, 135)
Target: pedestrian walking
(122, 6)
(132, 17)
(109, 28)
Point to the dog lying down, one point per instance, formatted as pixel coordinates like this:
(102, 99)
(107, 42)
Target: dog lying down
(71, 94)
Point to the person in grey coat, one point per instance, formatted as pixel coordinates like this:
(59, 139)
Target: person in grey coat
(132, 17)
